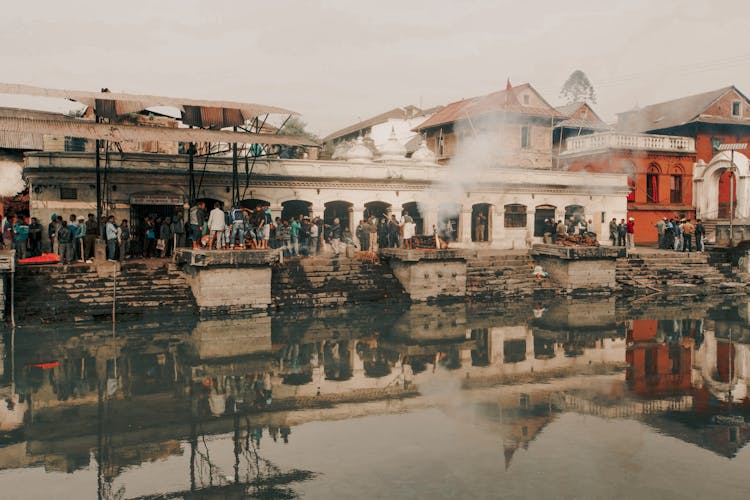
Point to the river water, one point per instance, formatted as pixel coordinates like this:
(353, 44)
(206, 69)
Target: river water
(558, 399)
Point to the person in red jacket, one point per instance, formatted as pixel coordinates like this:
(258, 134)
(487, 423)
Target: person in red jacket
(631, 234)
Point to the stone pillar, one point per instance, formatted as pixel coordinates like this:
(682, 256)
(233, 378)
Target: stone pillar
(276, 211)
(497, 344)
(318, 211)
(429, 217)
(464, 225)
(698, 200)
(743, 191)
(529, 344)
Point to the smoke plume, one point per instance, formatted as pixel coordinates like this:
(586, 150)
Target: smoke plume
(11, 180)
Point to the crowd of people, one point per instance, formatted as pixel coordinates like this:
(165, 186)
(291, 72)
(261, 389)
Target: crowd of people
(245, 228)
(679, 235)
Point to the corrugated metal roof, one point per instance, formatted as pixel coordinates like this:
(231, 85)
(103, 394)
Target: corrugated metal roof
(26, 141)
(496, 102)
(111, 104)
(121, 133)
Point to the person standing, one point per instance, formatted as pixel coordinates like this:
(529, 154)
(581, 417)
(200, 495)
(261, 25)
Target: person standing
(700, 234)
(630, 234)
(74, 228)
(687, 239)
(314, 236)
(336, 236)
(294, 229)
(216, 225)
(92, 231)
(35, 237)
(123, 239)
(480, 226)
(372, 228)
(110, 231)
(363, 236)
(20, 237)
(52, 229)
(613, 231)
(165, 235)
(178, 230)
(560, 231)
(660, 226)
(547, 230)
(7, 233)
(237, 215)
(622, 231)
(65, 243)
(196, 217)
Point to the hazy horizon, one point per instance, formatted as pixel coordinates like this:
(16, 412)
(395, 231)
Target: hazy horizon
(336, 62)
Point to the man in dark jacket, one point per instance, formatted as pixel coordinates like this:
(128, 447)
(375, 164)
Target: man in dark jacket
(35, 237)
(65, 243)
(92, 232)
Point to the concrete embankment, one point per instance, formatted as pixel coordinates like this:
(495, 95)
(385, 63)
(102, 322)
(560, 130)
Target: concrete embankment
(227, 283)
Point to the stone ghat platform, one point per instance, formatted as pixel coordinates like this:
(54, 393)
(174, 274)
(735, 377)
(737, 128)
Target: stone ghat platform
(226, 258)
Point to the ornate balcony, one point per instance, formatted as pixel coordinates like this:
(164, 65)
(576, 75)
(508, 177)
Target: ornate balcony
(614, 140)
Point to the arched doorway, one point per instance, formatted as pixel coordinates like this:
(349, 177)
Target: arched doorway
(541, 213)
(252, 203)
(727, 194)
(292, 209)
(652, 184)
(448, 217)
(481, 223)
(412, 209)
(379, 209)
(578, 212)
(341, 210)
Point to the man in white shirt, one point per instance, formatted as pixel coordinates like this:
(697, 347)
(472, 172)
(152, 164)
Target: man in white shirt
(216, 225)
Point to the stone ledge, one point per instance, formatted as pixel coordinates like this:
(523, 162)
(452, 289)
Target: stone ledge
(226, 258)
(405, 255)
(578, 252)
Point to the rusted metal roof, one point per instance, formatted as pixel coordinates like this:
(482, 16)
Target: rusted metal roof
(503, 101)
(113, 104)
(25, 141)
(122, 133)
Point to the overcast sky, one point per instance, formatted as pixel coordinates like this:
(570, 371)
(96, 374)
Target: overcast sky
(338, 61)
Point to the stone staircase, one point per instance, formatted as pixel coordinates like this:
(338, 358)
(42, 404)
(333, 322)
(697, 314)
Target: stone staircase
(503, 274)
(81, 293)
(684, 272)
(323, 281)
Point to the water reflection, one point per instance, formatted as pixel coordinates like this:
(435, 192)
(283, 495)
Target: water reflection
(214, 397)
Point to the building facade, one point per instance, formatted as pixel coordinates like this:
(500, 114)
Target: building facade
(515, 201)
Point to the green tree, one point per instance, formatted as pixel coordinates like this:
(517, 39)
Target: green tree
(578, 88)
(297, 127)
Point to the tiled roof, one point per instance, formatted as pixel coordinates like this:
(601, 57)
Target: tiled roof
(669, 114)
(503, 101)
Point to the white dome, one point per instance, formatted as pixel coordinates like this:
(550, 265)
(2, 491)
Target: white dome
(358, 152)
(423, 155)
(339, 153)
(393, 149)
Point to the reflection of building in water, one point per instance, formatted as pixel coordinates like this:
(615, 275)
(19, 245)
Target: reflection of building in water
(152, 393)
(707, 361)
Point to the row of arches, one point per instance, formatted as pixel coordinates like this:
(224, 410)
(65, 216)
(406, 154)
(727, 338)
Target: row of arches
(448, 215)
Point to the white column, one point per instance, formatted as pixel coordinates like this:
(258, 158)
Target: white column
(429, 217)
(464, 223)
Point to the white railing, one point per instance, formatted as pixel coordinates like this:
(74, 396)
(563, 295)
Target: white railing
(614, 140)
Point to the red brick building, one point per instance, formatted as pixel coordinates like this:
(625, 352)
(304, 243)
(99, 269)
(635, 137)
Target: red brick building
(659, 172)
(712, 118)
